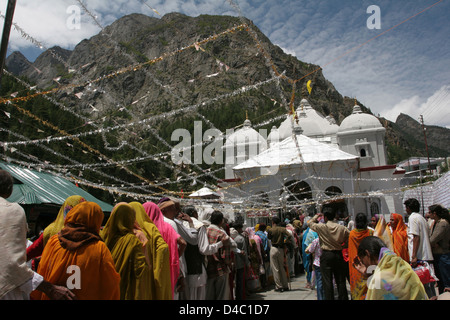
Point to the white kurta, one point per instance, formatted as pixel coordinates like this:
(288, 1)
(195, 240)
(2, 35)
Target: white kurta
(17, 280)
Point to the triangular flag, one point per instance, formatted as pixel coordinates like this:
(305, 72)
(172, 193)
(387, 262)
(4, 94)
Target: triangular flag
(308, 86)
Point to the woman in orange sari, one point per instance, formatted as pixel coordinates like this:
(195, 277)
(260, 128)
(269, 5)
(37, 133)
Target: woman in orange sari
(76, 257)
(399, 236)
(358, 286)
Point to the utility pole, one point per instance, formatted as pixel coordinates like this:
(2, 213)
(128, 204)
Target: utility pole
(5, 36)
(428, 156)
(426, 144)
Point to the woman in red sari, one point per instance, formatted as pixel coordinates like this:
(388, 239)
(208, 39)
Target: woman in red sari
(399, 236)
(358, 286)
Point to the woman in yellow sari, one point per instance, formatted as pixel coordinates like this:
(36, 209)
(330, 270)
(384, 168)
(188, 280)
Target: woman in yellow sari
(158, 253)
(358, 286)
(77, 258)
(128, 246)
(393, 278)
(56, 226)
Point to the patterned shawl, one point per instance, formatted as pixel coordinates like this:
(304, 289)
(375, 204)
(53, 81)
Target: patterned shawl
(394, 279)
(218, 263)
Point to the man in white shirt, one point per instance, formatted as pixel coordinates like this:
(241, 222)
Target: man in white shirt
(418, 239)
(17, 280)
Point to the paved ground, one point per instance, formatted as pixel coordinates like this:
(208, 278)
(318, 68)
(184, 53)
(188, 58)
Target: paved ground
(298, 292)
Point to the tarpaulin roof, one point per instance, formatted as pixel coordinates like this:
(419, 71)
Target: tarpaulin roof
(286, 153)
(204, 192)
(34, 187)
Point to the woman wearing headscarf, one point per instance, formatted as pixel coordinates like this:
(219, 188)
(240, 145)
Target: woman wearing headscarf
(399, 236)
(77, 258)
(265, 251)
(255, 257)
(170, 237)
(35, 249)
(54, 227)
(128, 246)
(158, 253)
(358, 286)
(393, 278)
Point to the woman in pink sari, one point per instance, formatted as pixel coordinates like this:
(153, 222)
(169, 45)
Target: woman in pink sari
(170, 236)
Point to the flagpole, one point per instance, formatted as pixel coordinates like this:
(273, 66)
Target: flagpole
(5, 37)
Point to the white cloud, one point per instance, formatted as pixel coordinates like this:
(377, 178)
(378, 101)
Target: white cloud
(399, 69)
(435, 109)
(410, 106)
(407, 61)
(47, 22)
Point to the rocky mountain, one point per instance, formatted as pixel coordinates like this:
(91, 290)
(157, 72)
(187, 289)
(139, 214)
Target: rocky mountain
(217, 66)
(17, 63)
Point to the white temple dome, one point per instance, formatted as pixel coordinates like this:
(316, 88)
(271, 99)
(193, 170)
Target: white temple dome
(312, 122)
(273, 136)
(359, 121)
(246, 135)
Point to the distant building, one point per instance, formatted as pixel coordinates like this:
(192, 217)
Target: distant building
(417, 167)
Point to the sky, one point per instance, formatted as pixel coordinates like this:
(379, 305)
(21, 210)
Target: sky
(392, 55)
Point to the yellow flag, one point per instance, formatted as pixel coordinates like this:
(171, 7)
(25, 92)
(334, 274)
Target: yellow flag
(308, 85)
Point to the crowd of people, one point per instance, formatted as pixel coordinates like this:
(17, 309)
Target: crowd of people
(382, 260)
(162, 251)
